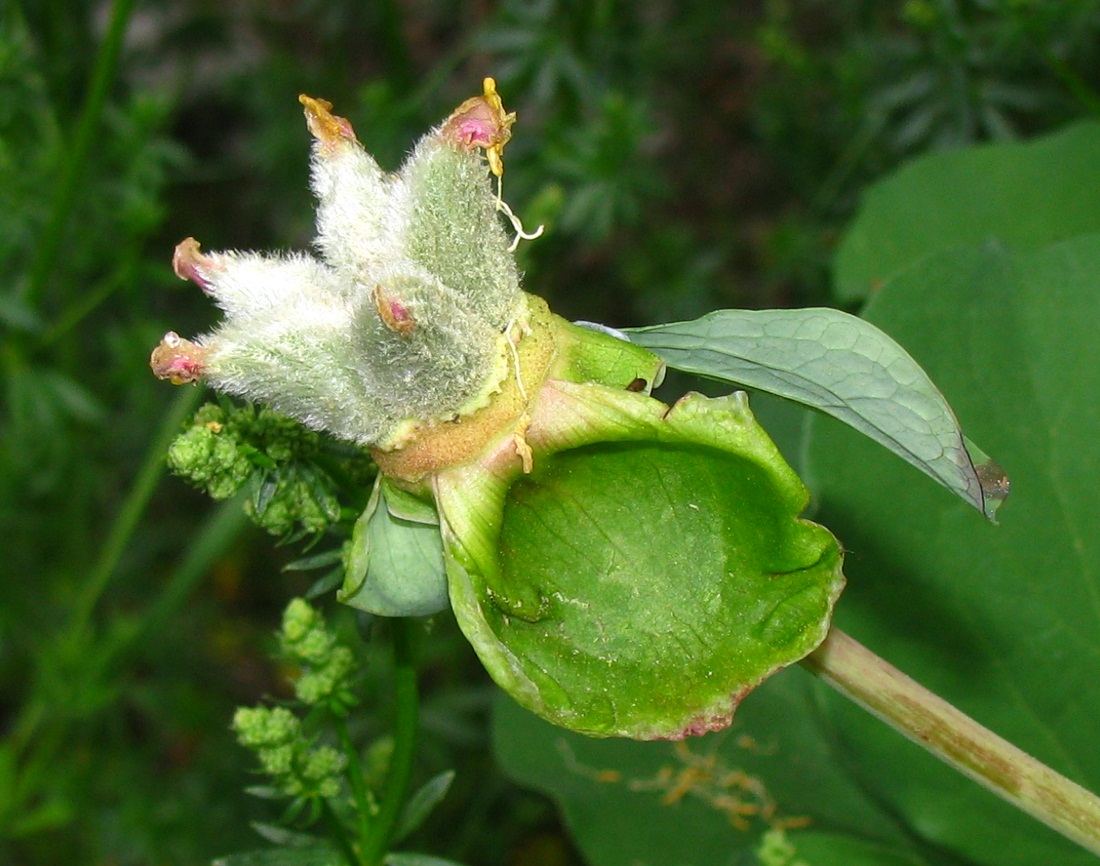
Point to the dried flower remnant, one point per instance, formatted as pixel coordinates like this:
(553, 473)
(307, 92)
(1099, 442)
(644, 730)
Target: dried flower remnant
(178, 360)
(482, 122)
(189, 263)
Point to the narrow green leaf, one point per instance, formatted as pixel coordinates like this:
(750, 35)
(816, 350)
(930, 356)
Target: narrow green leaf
(325, 584)
(52, 814)
(266, 792)
(844, 367)
(277, 834)
(421, 804)
(410, 859)
(18, 315)
(317, 560)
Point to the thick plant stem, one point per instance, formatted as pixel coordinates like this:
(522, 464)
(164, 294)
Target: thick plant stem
(406, 719)
(357, 780)
(956, 739)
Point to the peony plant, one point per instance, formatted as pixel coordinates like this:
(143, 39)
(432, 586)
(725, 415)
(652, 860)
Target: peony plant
(622, 566)
(487, 414)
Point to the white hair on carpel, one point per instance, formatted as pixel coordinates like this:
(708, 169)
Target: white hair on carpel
(249, 285)
(353, 194)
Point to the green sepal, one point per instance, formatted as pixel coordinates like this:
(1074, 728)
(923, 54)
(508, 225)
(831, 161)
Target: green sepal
(394, 562)
(649, 572)
(592, 353)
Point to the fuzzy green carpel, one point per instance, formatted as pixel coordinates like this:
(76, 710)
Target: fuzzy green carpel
(437, 444)
(403, 319)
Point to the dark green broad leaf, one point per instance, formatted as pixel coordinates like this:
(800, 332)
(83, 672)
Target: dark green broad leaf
(837, 849)
(1001, 621)
(1025, 195)
(648, 573)
(844, 367)
(713, 800)
(401, 858)
(322, 855)
(395, 558)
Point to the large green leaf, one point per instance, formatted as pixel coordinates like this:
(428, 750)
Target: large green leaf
(1025, 195)
(845, 367)
(708, 802)
(1002, 621)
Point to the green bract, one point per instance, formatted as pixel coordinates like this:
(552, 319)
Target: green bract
(648, 573)
(395, 560)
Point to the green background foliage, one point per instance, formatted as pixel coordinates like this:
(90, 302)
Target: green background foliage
(684, 157)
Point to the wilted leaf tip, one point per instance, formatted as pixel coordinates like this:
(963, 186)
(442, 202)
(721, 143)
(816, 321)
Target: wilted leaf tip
(993, 483)
(995, 486)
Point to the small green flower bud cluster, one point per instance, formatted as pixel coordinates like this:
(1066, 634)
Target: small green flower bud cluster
(226, 448)
(327, 666)
(288, 754)
(297, 768)
(208, 454)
